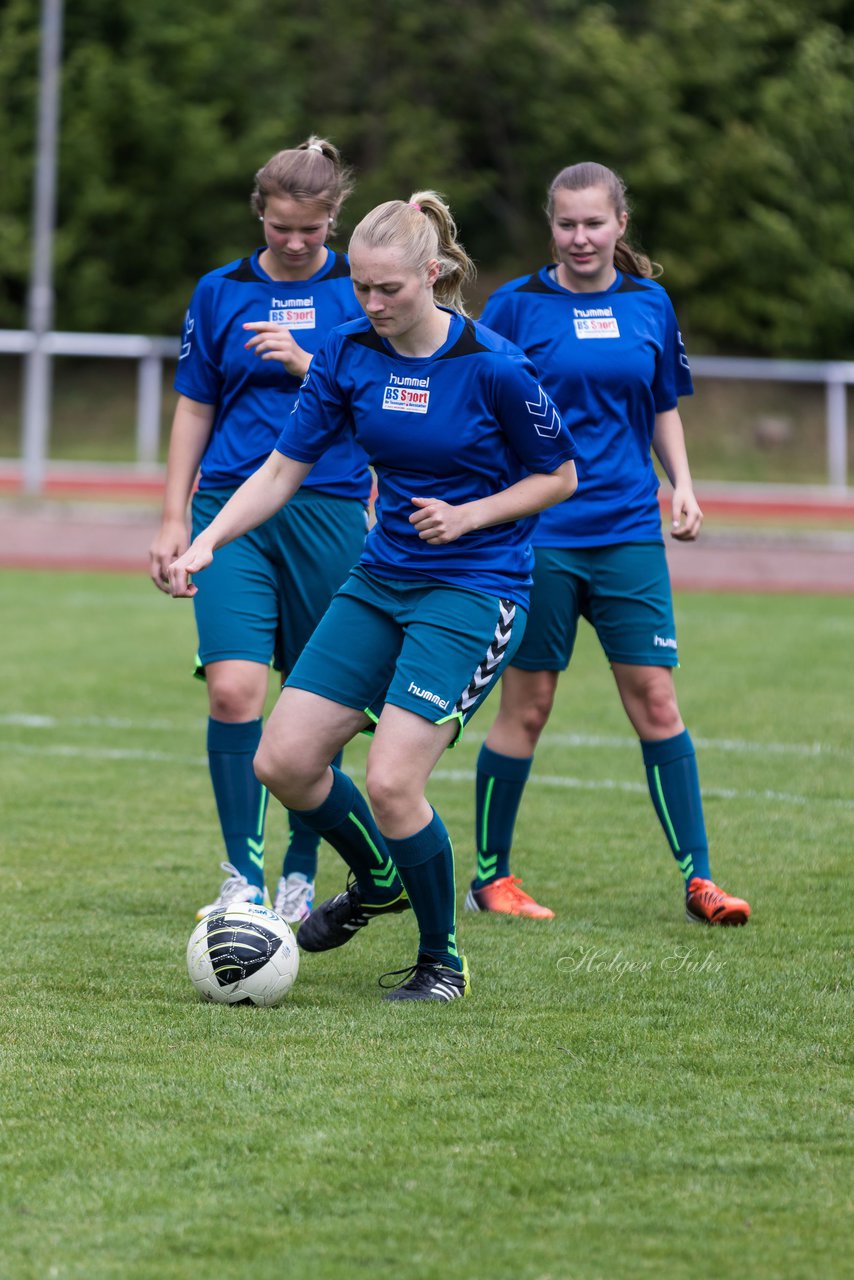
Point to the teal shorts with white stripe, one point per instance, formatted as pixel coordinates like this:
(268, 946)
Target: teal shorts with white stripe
(263, 594)
(622, 590)
(429, 648)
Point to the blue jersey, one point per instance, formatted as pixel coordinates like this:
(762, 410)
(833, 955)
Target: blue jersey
(254, 397)
(611, 361)
(459, 425)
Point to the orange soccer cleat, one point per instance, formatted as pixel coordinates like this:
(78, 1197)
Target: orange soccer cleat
(707, 904)
(506, 898)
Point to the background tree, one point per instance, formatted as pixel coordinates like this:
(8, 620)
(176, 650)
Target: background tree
(730, 120)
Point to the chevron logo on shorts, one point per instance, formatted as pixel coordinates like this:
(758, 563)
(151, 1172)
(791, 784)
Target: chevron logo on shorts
(545, 415)
(485, 673)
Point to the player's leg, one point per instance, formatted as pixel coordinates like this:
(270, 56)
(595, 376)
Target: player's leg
(505, 759)
(633, 615)
(317, 540)
(503, 767)
(347, 664)
(670, 761)
(456, 645)
(236, 617)
(237, 690)
(304, 732)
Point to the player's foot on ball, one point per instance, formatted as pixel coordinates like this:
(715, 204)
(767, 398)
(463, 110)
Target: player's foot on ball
(427, 979)
(294, 897)
(705, 903)
(506, 898)
(235, 888)
(334, 921)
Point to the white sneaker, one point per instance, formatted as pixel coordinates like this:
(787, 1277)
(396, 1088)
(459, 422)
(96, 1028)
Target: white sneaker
(294, 897)
(235, 888)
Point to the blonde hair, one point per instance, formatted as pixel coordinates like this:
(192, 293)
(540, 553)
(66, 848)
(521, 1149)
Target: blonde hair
(579, 177)
(313, 172)
(422, 228)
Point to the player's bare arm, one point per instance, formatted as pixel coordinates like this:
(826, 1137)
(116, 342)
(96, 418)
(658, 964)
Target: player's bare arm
(668, 441)
(439, 522)
(191, 428)
(258, 498)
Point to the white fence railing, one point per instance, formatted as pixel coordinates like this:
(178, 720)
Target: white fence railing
(835, 376)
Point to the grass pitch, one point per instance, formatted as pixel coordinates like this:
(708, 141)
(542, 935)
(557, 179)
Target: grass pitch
(623, 1096)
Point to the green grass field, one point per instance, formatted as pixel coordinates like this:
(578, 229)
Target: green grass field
(623, 1096)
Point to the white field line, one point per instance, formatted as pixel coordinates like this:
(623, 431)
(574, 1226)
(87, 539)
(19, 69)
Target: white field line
(21, 720)
(639, 788)
(465, 776)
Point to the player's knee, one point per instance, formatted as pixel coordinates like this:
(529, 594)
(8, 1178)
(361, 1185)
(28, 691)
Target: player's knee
(276, 770)
(533, 715)
(661, 713)
(388, 793)
(232, 700)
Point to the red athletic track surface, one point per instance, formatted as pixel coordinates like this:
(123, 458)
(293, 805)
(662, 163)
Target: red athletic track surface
(105, 519)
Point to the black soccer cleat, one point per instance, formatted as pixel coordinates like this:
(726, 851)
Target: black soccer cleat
(334, 921)
(427, 979)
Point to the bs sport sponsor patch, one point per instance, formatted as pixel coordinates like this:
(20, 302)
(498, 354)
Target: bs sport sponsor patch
(407, 395)
(595, 322)
(293, 313)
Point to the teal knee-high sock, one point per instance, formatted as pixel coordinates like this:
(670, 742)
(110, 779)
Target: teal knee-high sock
(674, 785)
(301, 853)
(499, 785)
(426, 865)
(241, 800)
(345, 821)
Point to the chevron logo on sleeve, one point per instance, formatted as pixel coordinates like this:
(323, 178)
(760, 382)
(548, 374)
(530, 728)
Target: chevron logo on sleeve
(545, 415)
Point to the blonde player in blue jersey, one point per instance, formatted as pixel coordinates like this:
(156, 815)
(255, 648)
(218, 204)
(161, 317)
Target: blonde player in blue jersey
(249, 336)
(604, 338)
(466, 447)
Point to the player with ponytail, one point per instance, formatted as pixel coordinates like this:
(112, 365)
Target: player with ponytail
(250, 333)
(466, 448)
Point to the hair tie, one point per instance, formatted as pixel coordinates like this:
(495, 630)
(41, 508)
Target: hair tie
(315, 146)
(414, 205)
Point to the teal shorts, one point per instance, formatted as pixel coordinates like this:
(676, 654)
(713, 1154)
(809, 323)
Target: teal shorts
(429, 648)
(264, 593)
(624, 593)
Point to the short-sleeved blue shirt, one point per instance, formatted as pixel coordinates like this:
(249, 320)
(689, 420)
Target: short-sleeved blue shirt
(254, 397)
(611, 361)
(459, 425)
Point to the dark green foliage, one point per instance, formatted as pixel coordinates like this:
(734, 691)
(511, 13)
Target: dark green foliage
(730, 120)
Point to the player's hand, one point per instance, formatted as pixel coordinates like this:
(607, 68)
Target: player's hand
(171, 542)
(197, 557)
(687, 516)
(274, 342)
(438, 522)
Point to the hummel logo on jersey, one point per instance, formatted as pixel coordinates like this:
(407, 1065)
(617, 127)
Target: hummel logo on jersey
(595, 322)
(294, 313)
(409, 395)
(545, 415)
(427, 695)
(661, 642)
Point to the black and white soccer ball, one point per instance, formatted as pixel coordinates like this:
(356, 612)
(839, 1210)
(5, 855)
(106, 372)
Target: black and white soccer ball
(243, 954)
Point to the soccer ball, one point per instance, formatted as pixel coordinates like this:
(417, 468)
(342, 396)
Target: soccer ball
(244, 954)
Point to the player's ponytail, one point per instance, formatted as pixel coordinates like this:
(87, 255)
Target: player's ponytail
(422, 228)
(313, 172)
(579, 177)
